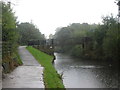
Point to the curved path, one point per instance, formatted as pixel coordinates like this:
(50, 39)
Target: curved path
(29, 75)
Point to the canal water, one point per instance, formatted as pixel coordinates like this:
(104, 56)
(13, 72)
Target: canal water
(78, 73)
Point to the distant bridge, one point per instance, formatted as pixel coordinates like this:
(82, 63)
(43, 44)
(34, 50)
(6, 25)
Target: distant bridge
(50, 43)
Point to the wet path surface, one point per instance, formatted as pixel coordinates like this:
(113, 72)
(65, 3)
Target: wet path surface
(78, 73)
(29, 75)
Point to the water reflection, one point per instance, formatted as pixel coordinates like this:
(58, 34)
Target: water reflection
(79, 73)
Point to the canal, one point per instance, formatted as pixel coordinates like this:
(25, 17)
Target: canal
(78, 73)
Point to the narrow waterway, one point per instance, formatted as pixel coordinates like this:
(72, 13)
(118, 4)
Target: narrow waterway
(78, 73)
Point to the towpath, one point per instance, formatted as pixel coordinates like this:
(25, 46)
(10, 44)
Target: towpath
(29, 75)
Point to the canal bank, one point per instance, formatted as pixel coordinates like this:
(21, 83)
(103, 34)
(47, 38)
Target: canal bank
(51, 78)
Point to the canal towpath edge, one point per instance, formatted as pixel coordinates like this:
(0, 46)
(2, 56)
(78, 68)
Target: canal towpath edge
(29, 75)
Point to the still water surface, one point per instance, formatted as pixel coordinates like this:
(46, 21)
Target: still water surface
(78, 73)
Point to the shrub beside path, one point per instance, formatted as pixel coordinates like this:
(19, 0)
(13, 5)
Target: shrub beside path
(29, 75)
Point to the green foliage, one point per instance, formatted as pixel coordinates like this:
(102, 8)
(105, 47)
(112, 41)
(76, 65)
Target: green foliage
(77, 50)
(0, 13)
(104, 44)
(68, 37)
(106, 38)
(51, 78)
(19, 61)
(9, 32)
(10, 35)
(28, 32)
(111, 43)
(8, 18)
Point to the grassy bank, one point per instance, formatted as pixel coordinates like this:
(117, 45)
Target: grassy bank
(11, 61)
(18, 58)
(51, 78)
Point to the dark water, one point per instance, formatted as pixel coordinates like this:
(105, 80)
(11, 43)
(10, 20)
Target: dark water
(78, 73)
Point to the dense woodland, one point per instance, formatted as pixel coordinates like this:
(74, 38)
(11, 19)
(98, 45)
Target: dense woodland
(102, 39)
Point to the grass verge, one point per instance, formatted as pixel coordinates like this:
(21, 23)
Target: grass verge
(51, 78)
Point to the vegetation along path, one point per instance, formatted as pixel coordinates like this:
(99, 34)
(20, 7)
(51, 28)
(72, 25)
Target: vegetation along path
(29, 75)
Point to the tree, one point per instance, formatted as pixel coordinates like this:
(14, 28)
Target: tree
(111, 43)
(28, 32)
(51, 36)
(9, 32)
(69, 37)
(10, 37)
(104, 43)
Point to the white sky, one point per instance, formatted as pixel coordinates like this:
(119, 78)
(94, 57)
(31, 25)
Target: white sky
(47, 15)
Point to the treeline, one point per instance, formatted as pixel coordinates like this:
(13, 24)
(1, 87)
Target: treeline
(103, 40)
(13, 35)
(28, 32)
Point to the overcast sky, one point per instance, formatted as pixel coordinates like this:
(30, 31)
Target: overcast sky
(47, 15)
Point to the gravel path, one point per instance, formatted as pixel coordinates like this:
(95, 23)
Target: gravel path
(29, 75)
